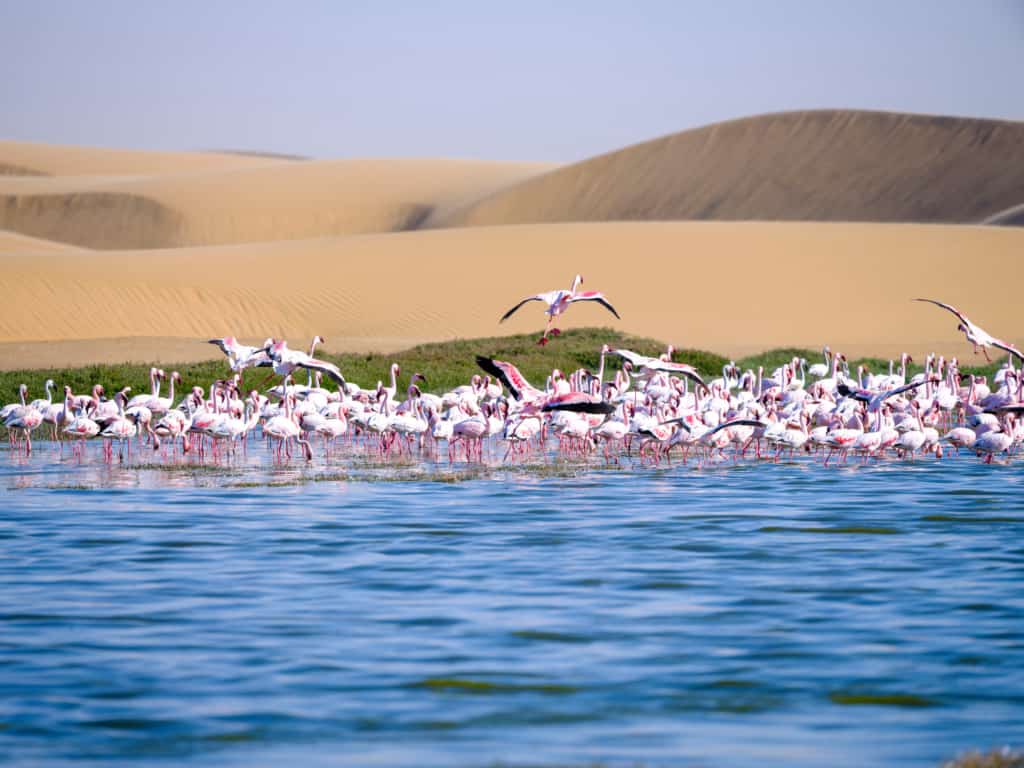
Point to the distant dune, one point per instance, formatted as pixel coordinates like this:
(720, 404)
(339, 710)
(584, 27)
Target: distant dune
(33, 158)
(279, 200)
(730, 287)
(829, 165)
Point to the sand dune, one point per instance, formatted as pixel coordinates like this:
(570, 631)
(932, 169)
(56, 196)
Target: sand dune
(14, 242)
(829, 165)
(143, 255)
(271, 201)
(31, 158)
(730, 287)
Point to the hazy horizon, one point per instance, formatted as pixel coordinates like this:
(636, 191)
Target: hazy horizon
(459, 80)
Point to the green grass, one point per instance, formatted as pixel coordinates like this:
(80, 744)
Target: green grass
(445, 364)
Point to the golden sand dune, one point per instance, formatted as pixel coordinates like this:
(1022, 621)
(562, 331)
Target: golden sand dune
(13, 242)
(270, 201)
(829, 165)
(31, 158)
(729, 287)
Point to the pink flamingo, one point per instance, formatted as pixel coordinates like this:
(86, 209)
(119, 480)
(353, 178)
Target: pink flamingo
(24, 419)
(976, 335)
(558, 301)
(470, 432)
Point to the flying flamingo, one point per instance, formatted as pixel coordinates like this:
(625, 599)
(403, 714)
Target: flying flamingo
(558, 301)
(242, 356)
(286, 360)
(977, 336)
(647, 367)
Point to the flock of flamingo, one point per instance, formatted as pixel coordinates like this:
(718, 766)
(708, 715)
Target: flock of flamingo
(650, 409)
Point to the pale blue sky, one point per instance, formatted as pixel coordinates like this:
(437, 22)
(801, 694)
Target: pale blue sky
(515, 80)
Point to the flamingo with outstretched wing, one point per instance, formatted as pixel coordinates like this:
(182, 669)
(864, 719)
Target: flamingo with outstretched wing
(558, 301)
(976, 335)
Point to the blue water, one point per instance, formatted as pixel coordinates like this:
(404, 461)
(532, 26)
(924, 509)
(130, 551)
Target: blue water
(752, 615)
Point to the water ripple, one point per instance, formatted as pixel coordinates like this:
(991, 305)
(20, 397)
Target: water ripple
(770, 615)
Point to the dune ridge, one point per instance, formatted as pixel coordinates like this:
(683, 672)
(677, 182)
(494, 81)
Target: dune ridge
(824, 165)
(69, 160)
(272, 201)
(15, 242)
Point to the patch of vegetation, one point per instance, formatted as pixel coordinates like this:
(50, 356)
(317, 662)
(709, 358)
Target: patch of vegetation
(848, 529)
(997, 758)
(464, 685)
(445, 364)
(852, 699)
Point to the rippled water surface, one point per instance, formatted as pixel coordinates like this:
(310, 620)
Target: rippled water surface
(752, 615)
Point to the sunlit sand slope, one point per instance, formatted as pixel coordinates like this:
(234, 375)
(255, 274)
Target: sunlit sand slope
(730, 287)
(829, 165)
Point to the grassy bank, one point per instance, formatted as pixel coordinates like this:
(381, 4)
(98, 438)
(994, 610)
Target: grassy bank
(445, 364)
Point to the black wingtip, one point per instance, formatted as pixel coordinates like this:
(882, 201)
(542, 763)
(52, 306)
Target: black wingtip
(601, 408)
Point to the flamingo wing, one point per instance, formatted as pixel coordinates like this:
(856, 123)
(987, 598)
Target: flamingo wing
(223, 344)
(508, 375)
(324, 367)
(681, 421)
(682, 369)
(595, 296)
(846, 390)
(259, 360)
(949, 308)
(1008, 408)
(735, 423)
(1008, 348)
(635, 358)
(511, 312)
(899, 390)
(578, 402)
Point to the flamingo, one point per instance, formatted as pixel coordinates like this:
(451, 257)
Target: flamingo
(81, 426)
(120, 428)
(992, 443)
(470, 431)
(242, 356)
(976, 335)
(284, 429)
(558, 301)
(8, 409)
(286, 360)
(647, 367)
(24, 419)
(176, 423)
(43, 403)
(148, 400)
(56, 414)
